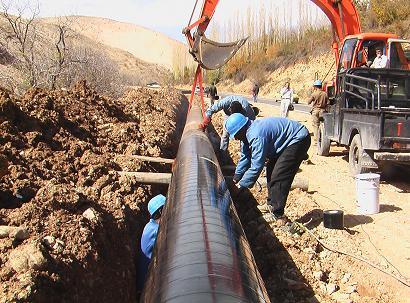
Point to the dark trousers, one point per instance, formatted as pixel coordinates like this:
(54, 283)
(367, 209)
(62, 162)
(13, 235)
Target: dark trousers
(281, 171)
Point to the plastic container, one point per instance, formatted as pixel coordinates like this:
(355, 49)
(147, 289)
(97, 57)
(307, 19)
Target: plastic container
(367, 193)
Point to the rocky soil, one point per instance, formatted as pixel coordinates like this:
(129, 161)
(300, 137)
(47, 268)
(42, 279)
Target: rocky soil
(69, 224)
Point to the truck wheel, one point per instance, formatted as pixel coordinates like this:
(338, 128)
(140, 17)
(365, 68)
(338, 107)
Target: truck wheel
(323, 142)
(356, 157)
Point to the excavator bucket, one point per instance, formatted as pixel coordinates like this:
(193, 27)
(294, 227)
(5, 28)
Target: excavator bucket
(213, 55)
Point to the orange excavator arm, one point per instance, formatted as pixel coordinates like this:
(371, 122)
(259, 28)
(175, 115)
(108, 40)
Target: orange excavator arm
(343, 16)
(341, 13)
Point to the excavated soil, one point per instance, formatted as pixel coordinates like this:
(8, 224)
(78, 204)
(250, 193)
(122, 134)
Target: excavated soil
(69, 224)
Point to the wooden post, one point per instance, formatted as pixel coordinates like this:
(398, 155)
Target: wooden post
(147, 178)
(148, 159)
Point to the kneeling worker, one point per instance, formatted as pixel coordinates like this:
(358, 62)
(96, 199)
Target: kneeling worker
(281, 141)
(230, 104)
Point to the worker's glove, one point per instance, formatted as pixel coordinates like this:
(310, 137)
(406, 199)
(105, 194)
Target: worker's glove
(239, 190)
(236, 179)
(205, 122)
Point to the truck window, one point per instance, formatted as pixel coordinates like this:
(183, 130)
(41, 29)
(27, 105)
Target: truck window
(346, 55)
(400, 55)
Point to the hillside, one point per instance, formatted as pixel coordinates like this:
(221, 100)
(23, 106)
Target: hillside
(106, 68)
(301, 75)
(143, 43)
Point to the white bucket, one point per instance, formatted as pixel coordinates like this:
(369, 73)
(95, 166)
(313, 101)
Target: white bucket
(367, 193)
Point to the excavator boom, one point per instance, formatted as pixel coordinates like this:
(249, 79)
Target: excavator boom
(343, 16)
(341, 13)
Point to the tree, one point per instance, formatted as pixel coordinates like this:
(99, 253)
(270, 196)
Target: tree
(22, 33)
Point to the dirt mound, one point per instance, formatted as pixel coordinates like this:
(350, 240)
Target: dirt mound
(77, 221)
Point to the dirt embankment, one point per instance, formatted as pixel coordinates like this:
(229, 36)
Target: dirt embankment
(301, 76)
(69, 226)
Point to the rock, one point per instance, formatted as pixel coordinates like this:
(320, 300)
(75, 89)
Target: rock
(25, 257)
(323, 254)
(91, 215)
(332, 276)
(346, 277)
(351, 289)
(331, 288)
(341, 297)
(309, 250)
(319, 275)
(58, 247)
(54, 244)
(13, 232)
(49, 241)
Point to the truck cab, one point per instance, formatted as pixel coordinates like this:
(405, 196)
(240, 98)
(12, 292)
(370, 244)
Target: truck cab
(370, 107)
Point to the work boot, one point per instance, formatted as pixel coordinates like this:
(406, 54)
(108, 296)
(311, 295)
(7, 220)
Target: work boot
(272, 219)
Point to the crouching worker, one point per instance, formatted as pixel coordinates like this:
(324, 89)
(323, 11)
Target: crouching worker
(280, 141)
(230, 104)
(149, 236)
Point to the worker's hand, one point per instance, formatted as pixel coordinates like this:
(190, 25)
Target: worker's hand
(205, 122)
(239, 190)
(236, 179)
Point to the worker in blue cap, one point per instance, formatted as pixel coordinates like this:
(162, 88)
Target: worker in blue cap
(149, 236)
(280, 141)
(230, 104)
(320, 102)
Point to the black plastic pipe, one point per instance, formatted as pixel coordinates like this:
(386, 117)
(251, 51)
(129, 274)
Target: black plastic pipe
(201, 253)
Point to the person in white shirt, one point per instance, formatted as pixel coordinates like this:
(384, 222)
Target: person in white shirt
(380, 61)
(286, 95)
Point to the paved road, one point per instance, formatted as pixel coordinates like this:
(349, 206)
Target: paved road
(303, 108)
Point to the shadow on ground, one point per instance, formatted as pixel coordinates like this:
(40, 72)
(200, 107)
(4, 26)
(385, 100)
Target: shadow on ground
(351, 221)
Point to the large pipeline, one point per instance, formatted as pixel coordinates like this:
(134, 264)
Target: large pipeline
(201, 253)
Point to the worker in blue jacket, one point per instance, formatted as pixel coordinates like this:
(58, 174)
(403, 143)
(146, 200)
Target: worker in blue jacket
(280, 141)
(149, 235)
(230, 104)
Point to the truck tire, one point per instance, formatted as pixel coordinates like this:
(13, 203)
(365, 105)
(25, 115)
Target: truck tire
(323, 142)
(356, 157)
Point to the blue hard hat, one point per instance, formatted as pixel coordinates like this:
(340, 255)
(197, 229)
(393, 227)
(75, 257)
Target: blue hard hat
(318, 83)
(234, 124)
(156, 203)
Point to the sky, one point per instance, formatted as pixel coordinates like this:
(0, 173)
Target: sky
(166, 16)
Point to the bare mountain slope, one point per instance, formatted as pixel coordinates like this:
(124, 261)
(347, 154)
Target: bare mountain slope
(109, 69)
(143, 43)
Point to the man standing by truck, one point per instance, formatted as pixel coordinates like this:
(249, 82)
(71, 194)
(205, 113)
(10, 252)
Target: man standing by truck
(319, 101)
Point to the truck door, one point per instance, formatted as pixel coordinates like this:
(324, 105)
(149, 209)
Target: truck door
(345, 62)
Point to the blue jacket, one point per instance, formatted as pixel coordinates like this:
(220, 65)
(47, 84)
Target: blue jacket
(266, 139)
(149, 236)
(225, 103)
